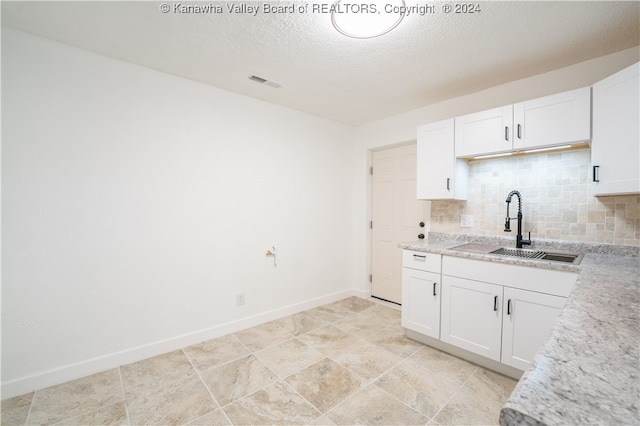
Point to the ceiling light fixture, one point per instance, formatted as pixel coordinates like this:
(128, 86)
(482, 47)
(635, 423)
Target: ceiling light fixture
(359, 20)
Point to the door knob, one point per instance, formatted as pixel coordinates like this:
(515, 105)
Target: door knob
(421, 236)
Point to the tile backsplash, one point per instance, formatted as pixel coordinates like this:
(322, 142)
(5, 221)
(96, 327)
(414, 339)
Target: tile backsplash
(556, 204)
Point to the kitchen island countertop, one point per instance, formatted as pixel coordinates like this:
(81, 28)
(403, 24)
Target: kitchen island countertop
(588, 371)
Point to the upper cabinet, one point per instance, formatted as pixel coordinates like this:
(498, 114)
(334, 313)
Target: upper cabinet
(440, 175)
(484, 132)
(551, 120)
(615, 148)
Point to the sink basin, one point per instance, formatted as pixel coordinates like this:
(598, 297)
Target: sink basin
(539, 255)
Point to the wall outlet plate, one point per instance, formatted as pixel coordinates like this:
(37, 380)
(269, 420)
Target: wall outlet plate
(466, 221)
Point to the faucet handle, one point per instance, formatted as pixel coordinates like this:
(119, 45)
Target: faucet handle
(507, 224)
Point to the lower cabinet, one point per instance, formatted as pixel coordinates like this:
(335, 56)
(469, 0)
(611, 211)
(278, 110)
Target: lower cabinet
(528, 317)
(471, 316)
(421, 297)
(502, 312)
(500, 323)
(421, 292)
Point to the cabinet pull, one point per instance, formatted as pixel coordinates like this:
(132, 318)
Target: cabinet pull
(495, 303)
(434, 289)
(419, 257)
(519, 131)
(448, 181)
(509, 307)
(506, 133)
(596, 169)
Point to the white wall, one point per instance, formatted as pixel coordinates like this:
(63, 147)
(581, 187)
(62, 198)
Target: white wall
(136, 205)
(402, 128)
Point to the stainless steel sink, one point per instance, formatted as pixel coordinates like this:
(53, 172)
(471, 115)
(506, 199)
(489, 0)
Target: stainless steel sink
(540, 255)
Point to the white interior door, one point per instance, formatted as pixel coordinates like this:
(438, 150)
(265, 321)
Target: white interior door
(396, 215)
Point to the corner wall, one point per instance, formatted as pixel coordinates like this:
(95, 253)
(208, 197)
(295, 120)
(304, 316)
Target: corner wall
(137, 205)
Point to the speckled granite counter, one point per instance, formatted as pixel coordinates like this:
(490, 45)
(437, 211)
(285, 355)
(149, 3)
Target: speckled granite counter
(588, 371)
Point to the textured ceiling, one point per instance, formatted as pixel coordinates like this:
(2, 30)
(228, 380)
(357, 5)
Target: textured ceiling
(426, 59)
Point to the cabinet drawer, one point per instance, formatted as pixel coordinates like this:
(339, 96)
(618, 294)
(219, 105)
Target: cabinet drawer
(421, 261)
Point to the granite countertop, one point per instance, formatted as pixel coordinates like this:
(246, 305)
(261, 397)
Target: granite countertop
(588, 371)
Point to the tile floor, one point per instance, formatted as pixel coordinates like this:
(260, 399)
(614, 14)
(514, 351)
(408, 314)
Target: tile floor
(344, 363)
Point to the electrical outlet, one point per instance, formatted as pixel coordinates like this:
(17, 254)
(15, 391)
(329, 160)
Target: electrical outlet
(466, 221)
(240, 299)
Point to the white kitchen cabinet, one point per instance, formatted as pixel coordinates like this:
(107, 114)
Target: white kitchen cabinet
(484, 132)
(440, 175)
(471, 316)
(527, 320)
(615, 148)
(500, 311)
(421, 292)
(558, 119)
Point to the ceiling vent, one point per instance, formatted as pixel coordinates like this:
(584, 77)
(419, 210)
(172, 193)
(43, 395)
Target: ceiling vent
(265, 81)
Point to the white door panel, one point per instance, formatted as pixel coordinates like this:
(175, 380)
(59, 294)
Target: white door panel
(395, 215)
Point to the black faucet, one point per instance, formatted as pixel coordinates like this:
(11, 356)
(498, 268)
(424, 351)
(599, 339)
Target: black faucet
(507, 224)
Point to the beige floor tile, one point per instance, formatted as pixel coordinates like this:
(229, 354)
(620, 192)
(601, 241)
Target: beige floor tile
(300, 323)
(328, 339)
(289, 357)
(372, 406)
(142, 376)
(264, 335)
(236, 379)
(113, 415)
(479, 400)
(176, 403)
(490, 385)
(77, 397)
(394, 339)
(417, 387)
(276, 404)
(322, 421)
(355, 304)
(15, 410)
(214, 352)
(332, 312)
(384, 314)
(446, 366)
(365, 359)
(461, 410)
(215, 418)
(325, 384)
(361, 325)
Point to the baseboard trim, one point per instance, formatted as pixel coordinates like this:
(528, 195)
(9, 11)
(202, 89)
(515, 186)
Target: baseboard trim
(509, 371)
(88, 367)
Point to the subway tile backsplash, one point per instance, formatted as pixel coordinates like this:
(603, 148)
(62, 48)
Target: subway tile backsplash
(556, 204)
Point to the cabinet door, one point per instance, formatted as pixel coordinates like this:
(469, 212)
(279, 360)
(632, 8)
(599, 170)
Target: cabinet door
(440, 175)
(527, 320)
(553, 120)
(615, 149)
(421, 301)
(472, 315)
(484, 132)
